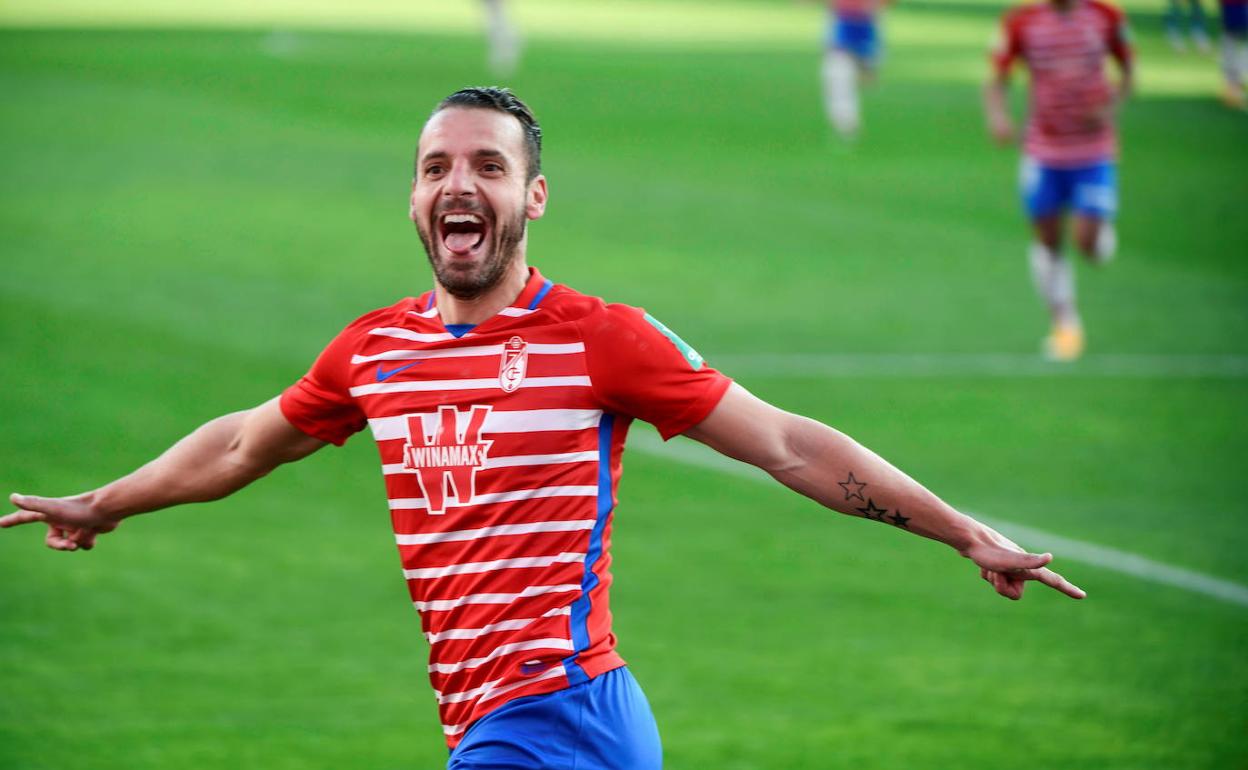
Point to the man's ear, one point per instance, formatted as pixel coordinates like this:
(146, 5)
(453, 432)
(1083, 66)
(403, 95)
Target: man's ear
(535, 203)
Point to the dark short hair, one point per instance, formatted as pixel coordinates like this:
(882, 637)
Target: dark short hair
(503, 100)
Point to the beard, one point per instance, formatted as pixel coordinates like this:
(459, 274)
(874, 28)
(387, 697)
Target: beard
(472, 282)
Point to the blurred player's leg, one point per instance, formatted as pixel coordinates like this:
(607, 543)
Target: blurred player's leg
(1235, 52)
(1173, 23)
(840, 91)
(1045, 193)
(1095, 200)
(1199, 33)
(1054, 278)
(504, 40)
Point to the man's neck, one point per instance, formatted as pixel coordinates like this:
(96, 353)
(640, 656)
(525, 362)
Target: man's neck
(454, 310)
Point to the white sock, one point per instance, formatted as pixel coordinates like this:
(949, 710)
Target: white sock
(1054, 278)
(840, 91)
(1106, 245)
(1234, 53)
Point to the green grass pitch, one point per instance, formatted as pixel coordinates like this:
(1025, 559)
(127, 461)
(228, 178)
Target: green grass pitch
(187, 215)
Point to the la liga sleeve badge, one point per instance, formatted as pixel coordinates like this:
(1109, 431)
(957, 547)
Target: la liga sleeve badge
(515, 362)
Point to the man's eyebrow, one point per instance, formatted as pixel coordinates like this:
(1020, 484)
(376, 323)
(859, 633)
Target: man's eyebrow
(443, 154)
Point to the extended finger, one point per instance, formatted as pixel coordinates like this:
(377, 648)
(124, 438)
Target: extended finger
(1056, 581)
(21, 517)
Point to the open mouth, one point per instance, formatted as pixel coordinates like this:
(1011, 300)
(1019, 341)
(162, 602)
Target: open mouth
(462, 234)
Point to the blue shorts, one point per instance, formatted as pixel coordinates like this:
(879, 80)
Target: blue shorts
(602, 724)
(857, 35)
(1092, 190)
(1235, 18)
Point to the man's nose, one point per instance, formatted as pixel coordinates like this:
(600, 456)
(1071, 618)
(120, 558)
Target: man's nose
(459, 181)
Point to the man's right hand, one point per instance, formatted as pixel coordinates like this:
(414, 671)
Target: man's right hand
(1002, 129)
(73, 523)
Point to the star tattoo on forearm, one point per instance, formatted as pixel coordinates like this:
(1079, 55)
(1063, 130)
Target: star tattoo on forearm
(853, 487)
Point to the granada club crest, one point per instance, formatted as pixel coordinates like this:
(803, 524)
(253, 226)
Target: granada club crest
(514, 364)
(446, 459)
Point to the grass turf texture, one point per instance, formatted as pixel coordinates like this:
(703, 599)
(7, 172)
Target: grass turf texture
(190, 215)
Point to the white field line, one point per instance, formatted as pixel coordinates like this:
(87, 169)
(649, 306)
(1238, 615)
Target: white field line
(691, 453)
(919, 365)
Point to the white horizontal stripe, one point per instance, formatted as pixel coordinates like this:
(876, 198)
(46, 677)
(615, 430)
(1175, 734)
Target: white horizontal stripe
(473, 567)
(505, 625)
(484, 383)
(405, 334)
(516, 312)
(491, 690)
(414, 503)
(430, 313)
(442, 605)
(501, 529)
(498, 652)
(512, 461)
(518, 421)
(471, 351)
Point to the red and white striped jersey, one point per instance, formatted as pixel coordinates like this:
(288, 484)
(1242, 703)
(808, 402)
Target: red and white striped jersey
(1068, 123)
(501, 455)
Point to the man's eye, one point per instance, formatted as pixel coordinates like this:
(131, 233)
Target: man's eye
(492, 167)
(433, 170)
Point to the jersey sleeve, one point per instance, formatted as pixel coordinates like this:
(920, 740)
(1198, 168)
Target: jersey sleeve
(1009, 44)
(640, 368)
(320, 403)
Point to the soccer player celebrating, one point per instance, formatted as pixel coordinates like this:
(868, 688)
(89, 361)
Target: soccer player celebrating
(851, 54)
(1070, 149)
(500, 403)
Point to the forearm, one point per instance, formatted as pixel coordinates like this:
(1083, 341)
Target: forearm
(994, 98)
(206, 465)
(834, 470)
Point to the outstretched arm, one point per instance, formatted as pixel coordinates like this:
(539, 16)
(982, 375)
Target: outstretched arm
(220, 457)
(838, 472)
(996, 110)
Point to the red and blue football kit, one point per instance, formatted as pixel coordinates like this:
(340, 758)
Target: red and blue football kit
(501, 454)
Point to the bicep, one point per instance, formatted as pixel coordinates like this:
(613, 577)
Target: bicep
(746, 428)
(267, 439)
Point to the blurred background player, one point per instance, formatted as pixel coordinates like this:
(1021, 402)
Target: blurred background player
(1186, 19)
(1235, 52)
(1070, 148)
(503, 39)
(851, 54)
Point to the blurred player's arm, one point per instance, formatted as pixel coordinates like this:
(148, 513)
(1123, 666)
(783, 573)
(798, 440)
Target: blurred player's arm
(220, 457)
(996, 89)
(839, 473)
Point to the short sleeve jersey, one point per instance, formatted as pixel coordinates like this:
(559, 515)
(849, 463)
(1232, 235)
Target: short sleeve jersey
(1068, 123)
(501, 455)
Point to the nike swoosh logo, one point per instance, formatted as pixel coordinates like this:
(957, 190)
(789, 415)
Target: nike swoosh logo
(383, 375)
